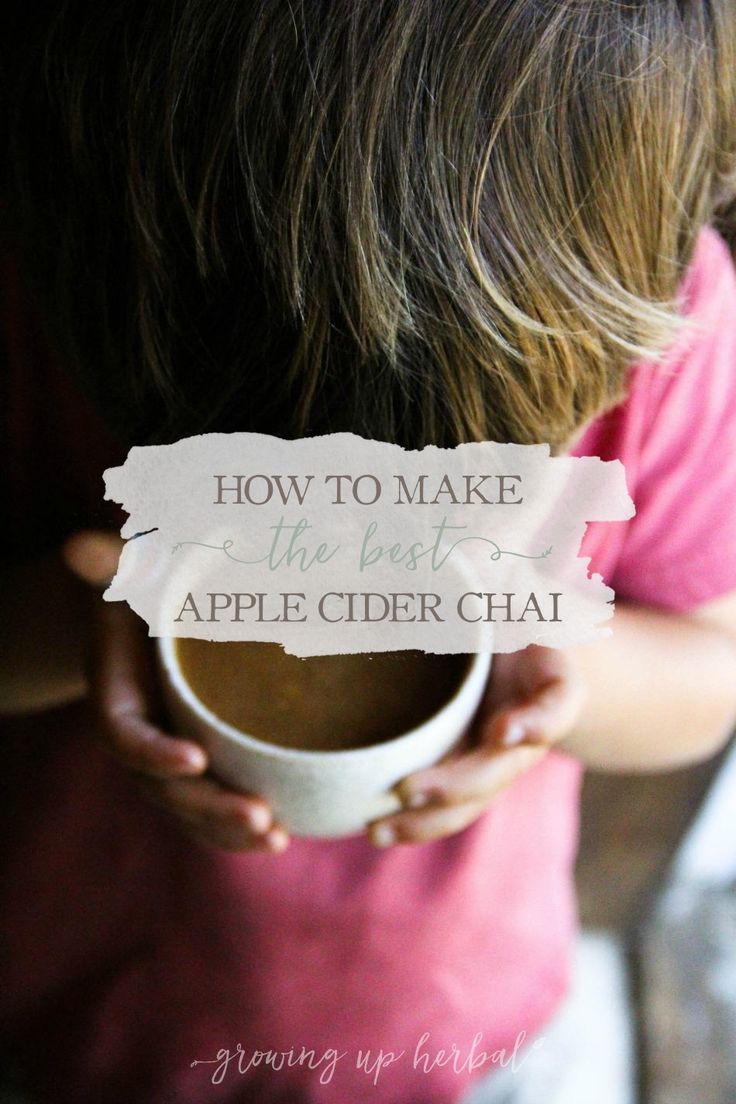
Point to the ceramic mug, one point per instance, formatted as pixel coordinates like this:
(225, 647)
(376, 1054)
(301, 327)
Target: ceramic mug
(320, 793)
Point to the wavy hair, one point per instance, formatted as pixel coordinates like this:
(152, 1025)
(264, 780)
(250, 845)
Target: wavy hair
(424, 221)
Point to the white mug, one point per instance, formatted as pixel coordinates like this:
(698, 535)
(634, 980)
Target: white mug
(320, 793)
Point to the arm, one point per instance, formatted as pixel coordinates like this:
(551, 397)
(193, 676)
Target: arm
(661, 689)
(657, 694)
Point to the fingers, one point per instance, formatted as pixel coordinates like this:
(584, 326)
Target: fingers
(92, 556)
(476, 777)
(123, 684)
(422, 827)
(544, 718)
(534, 696)
(146, 749)
(226, 838)
(212, 814)
(509, 742)
(169, 768)
(125, 696)
(467, 789)
(510, 739)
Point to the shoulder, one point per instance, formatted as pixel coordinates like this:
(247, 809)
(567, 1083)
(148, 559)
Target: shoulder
(675, 434)
(697, 372)
(688, 398)
(680, 548)
(710, 279)
(707, 300)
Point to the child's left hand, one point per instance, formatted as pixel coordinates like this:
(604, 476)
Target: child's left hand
(534, 698)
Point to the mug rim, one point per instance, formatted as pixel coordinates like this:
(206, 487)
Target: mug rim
(477, 669)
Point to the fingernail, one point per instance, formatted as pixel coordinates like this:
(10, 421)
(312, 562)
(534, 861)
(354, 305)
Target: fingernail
(277, 839)
(259, 819)
(194, 761)
(417, 800)
(514, 734)
(383, 835)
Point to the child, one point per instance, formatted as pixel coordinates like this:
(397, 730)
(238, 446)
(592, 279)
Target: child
(426, 223)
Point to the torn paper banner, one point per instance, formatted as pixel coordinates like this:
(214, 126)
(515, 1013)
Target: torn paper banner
(340, 544)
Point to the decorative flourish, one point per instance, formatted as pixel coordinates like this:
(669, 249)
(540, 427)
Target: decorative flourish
(498, 552)
(224, 547)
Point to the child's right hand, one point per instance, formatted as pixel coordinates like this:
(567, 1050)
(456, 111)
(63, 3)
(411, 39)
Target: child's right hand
(125, 696)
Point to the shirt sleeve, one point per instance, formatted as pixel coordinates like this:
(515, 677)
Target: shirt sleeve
(680, 548)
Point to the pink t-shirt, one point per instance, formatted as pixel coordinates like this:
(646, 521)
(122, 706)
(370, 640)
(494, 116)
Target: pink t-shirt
(676, 436)
(132, 953)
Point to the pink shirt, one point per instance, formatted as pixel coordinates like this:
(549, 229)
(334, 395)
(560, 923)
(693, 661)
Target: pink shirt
(132, 952)
(676, 436)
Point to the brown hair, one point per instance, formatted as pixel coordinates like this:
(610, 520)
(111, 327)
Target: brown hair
(423, 221)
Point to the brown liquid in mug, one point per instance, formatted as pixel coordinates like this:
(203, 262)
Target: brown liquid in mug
(322, 703)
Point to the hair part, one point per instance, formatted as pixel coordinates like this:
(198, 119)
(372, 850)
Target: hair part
(420, 221)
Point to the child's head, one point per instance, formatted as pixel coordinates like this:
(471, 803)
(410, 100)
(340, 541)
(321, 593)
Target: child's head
(422, 220)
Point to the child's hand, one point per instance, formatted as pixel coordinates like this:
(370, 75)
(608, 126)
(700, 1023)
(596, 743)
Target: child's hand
(533, 699)
(124, 693)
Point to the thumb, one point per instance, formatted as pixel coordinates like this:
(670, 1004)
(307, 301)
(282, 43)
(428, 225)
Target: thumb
(544, 718)
(92, 556)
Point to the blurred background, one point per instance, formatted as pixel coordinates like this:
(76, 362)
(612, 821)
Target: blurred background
(651, 1017)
